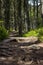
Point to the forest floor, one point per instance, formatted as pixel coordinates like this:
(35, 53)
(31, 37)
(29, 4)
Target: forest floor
(11, 53)
(10, 56)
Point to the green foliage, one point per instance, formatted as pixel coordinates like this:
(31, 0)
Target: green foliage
(31, 33)
(1, 22)
(37, 33)
(3, 33)
(41, 38)
(11, 29)
(40, 34)
(40, 31)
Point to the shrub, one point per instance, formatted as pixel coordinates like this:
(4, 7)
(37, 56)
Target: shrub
(41, 38)
(1, 22)
(37, 33)
(3, 33)
(31, 33)
(40, 34)
(40, 31)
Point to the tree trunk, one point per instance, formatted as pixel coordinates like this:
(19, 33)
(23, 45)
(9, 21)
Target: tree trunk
(0, 10)
(7, 14)
(15, 14)
(19, 18)
(27, 14)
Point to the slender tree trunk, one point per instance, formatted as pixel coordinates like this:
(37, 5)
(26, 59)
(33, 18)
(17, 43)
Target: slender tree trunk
(34, 8)
(37, 14)
(42, 11)
(34, 11)
(0, 10)
(19, 18)
(27, 14)
(7, 14)
(28, 21)
(15, 14)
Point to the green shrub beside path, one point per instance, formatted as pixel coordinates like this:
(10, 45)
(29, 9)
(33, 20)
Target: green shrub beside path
(3, 33)
(36, 33)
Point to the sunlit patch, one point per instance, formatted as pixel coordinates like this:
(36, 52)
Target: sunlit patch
(31, 2)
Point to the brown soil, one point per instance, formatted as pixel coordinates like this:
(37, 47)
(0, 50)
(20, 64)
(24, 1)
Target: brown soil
(12, 54)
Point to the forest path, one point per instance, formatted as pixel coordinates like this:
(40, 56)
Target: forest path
(12, 53)
(14, 34)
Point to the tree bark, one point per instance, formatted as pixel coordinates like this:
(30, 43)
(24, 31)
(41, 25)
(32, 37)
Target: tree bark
(7, 14)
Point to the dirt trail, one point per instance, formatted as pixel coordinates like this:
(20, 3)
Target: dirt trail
(12, 54)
